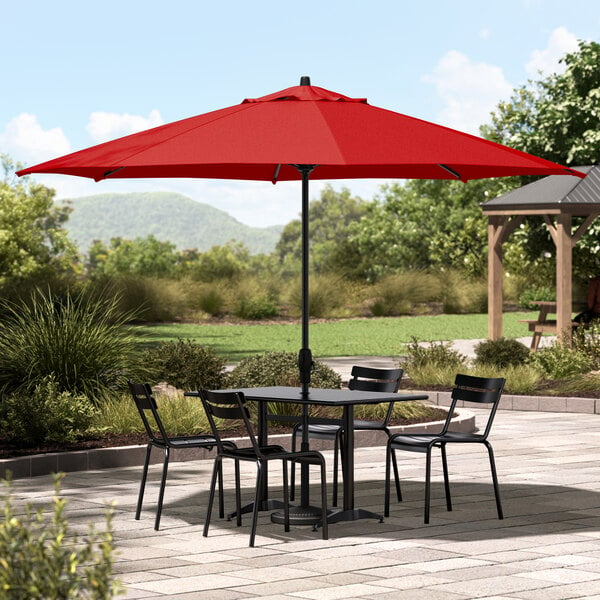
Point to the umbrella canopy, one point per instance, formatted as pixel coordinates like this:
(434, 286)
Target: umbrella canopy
(300, 132)
(263, 138)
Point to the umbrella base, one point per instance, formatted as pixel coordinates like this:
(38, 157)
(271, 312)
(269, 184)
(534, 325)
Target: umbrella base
(300, 515)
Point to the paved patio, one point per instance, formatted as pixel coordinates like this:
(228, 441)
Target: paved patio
(548, 545)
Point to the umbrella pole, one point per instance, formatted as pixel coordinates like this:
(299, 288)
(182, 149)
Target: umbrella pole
(305, 361)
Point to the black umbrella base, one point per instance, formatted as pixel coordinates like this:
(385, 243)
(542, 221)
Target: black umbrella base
(352, 515)
(300, 515)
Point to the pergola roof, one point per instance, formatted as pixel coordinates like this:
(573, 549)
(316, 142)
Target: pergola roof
(552, 194)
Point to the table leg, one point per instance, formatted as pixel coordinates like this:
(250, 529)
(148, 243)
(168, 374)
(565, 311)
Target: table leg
(349, 513)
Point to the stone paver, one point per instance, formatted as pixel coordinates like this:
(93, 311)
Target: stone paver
(548, 545)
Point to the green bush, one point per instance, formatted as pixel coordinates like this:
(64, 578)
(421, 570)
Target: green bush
(185, 365)
(501, 353)
(520, 379)
(279, 368)
(40, 559)
(536, 293)
(462, 295)
(436, 354)
(558, 361)
(400, 294)
(253, 301)
(45, 415)
(326, 296)
(80, 341)
(587, 340)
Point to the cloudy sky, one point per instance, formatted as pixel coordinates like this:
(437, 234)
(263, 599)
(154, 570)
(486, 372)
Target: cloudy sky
(77, 73)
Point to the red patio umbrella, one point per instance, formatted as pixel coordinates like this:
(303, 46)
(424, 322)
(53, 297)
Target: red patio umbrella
(299, 133)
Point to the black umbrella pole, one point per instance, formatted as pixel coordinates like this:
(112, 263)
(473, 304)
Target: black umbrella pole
(305, 362)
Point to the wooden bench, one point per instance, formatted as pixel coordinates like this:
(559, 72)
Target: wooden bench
(539, 327)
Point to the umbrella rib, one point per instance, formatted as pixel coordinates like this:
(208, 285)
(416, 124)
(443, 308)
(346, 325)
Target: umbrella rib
(451, 171)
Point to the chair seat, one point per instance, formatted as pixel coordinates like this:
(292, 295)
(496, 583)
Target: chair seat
(249, 453)
(191, 441)
(321, 432)
(369, 425)
(421, 441)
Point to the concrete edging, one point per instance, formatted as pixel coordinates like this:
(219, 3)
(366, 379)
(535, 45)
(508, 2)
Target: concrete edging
(131, 456)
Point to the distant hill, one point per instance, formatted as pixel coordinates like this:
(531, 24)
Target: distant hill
(167, 216)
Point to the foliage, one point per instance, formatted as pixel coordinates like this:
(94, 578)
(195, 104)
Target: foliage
(587, 340)
(329, 218)
(520, 379)
(462, 294)
(40, 559)
(79, 340)
(558, 361)
(536, 293)
(209, 298)
(327, 296)
(185, 365)
(435, 355)
(403, 293)
(45, 414)
(142, 256)
(33, 241)
(254, 301)
(225, 262)
(557, 118)
(423, 224)
(279, 368)
(501, 353)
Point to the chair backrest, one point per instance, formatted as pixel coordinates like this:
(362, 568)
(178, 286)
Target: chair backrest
(369, 379)
(146, 405)
(227, 406)
(483, 390)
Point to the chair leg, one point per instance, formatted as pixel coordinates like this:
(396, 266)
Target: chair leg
(143, 483)
(286, 496)
(336, 451)
(259, 481)
(389, 451)
(161, 493)
(238, 495)
(396, 477)
(221, 498)
(495, 480)
(293, 474)
(324, 502)
(217, 466)
(427, 484)
(446, 479)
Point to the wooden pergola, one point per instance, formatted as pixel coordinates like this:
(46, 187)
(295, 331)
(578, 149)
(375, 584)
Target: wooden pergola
(557, 199)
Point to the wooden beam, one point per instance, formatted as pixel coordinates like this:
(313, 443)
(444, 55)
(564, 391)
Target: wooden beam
(564, 277)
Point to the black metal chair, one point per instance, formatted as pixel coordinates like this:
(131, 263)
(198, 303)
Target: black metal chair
(232, 406)
(148, 409)
(366, 379)
(469, 389)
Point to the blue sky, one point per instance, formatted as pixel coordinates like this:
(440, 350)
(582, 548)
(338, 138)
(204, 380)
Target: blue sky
(77, 73)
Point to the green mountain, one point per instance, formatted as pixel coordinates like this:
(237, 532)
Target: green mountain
(167, 216)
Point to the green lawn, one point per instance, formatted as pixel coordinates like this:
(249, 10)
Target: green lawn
(350, 337)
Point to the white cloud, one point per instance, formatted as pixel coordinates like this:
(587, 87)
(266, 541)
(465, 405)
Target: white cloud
(104, 126)
(26, 141)
(469, 90)
(561, 41)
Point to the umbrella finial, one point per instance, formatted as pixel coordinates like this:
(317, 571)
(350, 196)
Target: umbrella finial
(305, 80)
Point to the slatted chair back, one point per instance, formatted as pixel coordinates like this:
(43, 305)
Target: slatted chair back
(228, 406)
(480, 390)
(369, 379)
(148, 409)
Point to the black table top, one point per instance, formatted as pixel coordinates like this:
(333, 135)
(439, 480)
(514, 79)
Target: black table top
(325, 397)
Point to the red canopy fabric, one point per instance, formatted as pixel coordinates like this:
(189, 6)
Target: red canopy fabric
(263, 138)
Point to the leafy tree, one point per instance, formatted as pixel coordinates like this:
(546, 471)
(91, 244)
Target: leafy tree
(330, 217)
(220, 262)
(557, 118)
(32, 239)
(142, 256)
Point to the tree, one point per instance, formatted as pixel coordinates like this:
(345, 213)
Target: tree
(330, 217)
(556, 118)
(142, 256)
(32, 239)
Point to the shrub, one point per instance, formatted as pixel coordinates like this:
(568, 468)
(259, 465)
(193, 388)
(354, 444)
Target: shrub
(185, 365)
(558, 361)
(279, 368)
(253, 301)
(46, 415)
(326, 296)
(587, 340)
(536, 293)
(501, 353)
(462, 295)
(80, 341)
(40, 559)
(399, 294)
(437, 354)
(520, 379)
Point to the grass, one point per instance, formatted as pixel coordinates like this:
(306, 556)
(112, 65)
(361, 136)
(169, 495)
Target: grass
(384, 336)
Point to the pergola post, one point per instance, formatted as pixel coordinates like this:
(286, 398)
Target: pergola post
(495, 227)
(564, 279)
